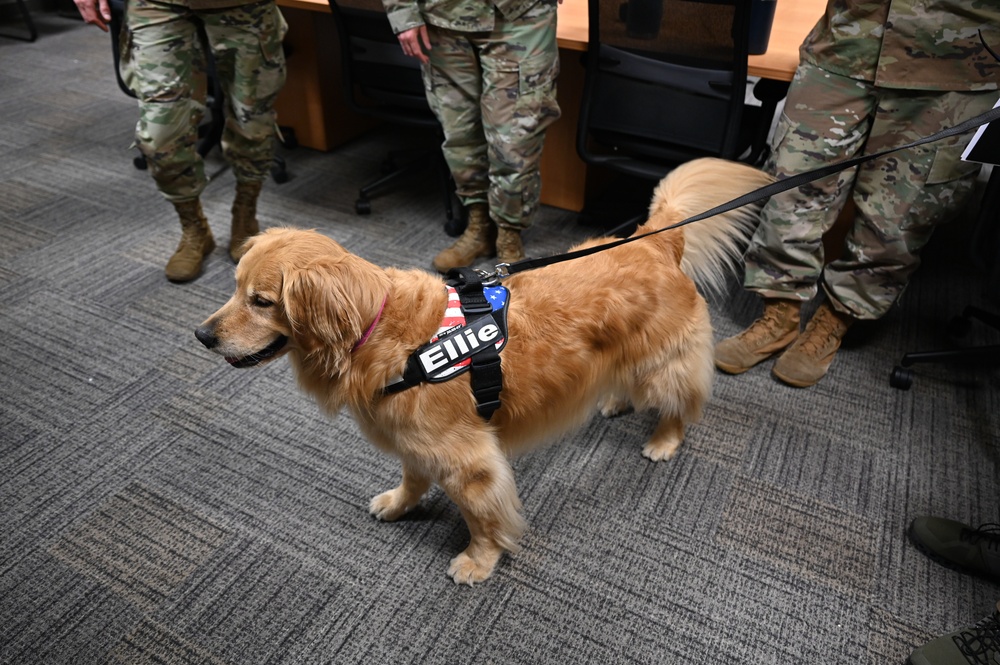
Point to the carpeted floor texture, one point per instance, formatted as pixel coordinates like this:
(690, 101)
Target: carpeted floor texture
(158, 506)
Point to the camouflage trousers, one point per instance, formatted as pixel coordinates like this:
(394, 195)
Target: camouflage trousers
(495, 94)
(164, 62)
(899, 198)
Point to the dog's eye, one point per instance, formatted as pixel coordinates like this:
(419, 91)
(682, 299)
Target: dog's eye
(261, 302)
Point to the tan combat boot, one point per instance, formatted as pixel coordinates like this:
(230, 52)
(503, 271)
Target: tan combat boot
(509, 247)
(196, 242)
(774, 330)
(807, 360)
(478, 240)
(244, 217)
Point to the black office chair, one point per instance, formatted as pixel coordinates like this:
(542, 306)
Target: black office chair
(28, 23)
(380, 81)
(986, 257)
(210, 130)
(666, 83)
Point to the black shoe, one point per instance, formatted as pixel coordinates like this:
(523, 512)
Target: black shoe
(979, 645)
(958, 546)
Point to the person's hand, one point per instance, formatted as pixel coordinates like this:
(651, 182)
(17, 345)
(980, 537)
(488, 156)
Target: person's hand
(414, 41)
(95, 11)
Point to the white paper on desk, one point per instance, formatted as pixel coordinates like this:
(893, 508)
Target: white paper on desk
(985, 145)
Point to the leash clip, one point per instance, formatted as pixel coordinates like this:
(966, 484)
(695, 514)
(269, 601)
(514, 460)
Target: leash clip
(501, 271)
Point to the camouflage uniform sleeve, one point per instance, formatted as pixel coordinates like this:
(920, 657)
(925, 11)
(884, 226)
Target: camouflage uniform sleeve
(403, 15)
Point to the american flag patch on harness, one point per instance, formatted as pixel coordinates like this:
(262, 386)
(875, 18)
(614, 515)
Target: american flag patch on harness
(453, 318)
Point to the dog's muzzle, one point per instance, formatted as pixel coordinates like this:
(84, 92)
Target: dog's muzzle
(206, 335)
(258, 357)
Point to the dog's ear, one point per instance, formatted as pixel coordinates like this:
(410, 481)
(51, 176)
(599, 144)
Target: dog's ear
(326, 303)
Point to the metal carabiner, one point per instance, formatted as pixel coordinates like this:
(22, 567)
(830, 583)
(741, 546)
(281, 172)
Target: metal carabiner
(501, 272)
(493, 278)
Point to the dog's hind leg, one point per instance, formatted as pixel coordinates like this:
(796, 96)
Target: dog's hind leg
(395, 503)
(677, 390)
(679, 400)
(483, 489)
(612, 405)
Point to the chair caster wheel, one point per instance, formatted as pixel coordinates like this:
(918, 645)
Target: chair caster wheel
(279, 176)
(139, 162)
(289, 140)
(363, 207)
(901, 377)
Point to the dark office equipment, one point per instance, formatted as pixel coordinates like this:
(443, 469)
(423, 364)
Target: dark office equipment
(986, 256)
(380, 81)
(28, 23)
(210, 130)
(666, 83)
(761, 20)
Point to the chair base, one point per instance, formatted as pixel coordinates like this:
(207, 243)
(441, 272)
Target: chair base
(902, 376)
(28, 23)
(402, 163)
(985, 241)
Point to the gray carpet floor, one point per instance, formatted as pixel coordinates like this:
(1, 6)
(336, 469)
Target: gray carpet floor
(158, 506)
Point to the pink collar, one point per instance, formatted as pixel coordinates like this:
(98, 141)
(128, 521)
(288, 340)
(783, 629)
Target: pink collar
(371, 328)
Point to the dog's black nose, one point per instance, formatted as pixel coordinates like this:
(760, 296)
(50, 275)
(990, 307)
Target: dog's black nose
(206, 335)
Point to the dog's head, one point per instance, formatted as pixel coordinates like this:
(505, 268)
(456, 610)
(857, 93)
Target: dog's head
(296, 291)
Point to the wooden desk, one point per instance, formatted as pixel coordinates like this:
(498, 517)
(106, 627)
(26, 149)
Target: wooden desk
(312, 103)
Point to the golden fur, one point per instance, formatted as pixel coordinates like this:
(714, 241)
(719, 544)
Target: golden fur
(642, 338)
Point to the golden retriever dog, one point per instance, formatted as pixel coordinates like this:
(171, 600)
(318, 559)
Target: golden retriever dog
(642, 339)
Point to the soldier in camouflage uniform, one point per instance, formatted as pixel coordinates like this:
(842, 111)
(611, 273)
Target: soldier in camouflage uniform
(490, 74)
(164, 60)
(873, 75)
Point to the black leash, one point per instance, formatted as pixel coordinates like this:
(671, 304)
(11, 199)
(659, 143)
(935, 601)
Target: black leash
(486, 375)
(505, 270)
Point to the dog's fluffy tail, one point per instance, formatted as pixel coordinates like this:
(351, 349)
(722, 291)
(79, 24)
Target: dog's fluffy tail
(713, 247)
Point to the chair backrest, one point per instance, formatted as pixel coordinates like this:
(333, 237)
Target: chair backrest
(379, 80)
(666, 82)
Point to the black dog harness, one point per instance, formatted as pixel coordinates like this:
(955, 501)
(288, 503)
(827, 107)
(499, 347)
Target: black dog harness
(473, 332)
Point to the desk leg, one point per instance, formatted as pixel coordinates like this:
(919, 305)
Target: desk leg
(564, 174)
(312, 101)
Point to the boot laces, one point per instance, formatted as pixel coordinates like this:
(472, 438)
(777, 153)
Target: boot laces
(981, 643)
(820, 331)
(986, 535)
(192, 238)
(762, 330)
(189, 240)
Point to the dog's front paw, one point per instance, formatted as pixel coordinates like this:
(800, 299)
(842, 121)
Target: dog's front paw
(660, 451)
(388, 506)
(466, 570)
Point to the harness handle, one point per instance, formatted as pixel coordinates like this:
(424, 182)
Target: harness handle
(484, 373)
